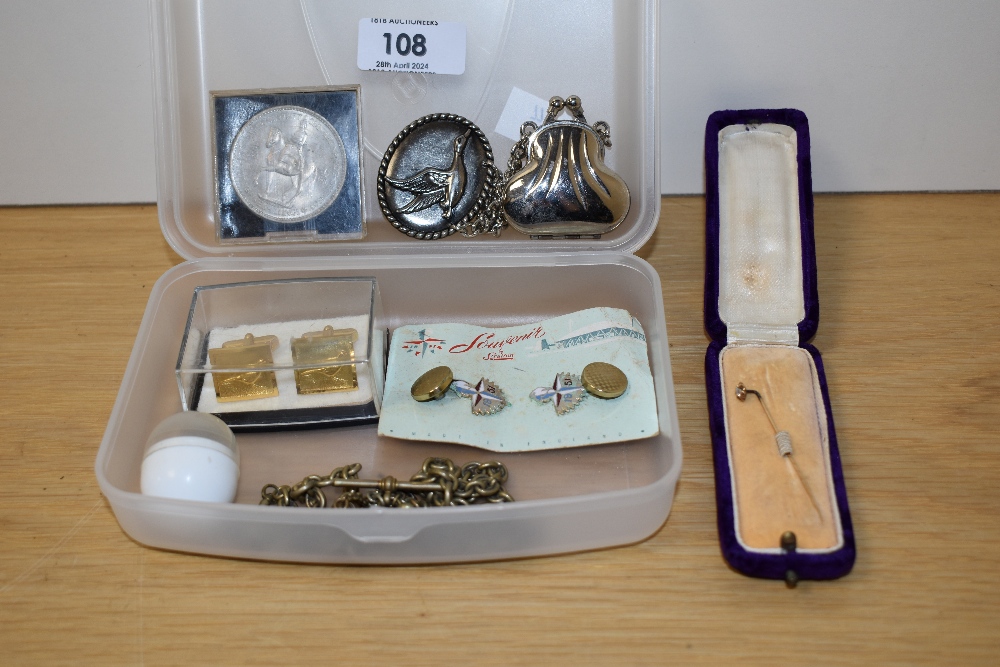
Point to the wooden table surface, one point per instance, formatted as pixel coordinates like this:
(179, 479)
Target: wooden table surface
(910, 306)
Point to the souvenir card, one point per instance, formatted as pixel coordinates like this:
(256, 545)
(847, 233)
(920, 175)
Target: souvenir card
(574, 380)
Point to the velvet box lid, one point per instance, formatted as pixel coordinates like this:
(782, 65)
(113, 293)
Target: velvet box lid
(796, 120)
(790, 565)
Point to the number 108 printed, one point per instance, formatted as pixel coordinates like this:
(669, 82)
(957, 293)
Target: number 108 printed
(405, 45)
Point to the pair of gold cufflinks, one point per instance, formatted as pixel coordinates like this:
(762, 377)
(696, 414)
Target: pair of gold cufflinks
(312, 354)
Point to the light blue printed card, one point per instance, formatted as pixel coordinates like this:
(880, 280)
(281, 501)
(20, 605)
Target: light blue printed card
(517, 361)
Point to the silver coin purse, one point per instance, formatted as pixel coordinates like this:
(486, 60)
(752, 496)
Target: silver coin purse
(565, 188)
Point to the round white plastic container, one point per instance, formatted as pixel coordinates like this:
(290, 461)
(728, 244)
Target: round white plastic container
(191, 456)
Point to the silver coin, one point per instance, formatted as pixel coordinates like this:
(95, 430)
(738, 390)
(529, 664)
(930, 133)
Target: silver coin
(435, 176)
(287, 164)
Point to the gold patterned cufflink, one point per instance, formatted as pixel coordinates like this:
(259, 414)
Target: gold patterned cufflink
(568, 389)
(604, 380)
(248, 352)
(334, 349)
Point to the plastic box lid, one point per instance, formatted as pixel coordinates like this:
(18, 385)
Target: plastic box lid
(600, 50)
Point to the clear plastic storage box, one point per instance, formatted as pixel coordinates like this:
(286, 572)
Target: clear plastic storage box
(566, 500)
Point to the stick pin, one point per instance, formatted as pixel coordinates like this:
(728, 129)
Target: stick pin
(781, 438)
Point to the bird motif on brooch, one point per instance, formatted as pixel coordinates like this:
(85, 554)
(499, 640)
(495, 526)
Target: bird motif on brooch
(432, 186)
(566, 393)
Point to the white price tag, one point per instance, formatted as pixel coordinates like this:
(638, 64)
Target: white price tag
(521, 106)
(411, 45)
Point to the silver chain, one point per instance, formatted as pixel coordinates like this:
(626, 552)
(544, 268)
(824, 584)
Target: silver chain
(491, 220)
(438, 483)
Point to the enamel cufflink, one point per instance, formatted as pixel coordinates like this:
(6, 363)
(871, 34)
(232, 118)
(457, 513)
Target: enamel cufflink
(568, 389)
(487, 398)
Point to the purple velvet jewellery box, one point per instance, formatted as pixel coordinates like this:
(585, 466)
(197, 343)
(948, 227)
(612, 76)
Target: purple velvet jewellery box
(780, 493)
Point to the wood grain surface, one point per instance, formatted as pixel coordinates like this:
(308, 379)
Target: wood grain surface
(910, 306)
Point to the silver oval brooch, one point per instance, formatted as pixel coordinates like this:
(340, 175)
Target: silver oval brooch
(436, 177)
